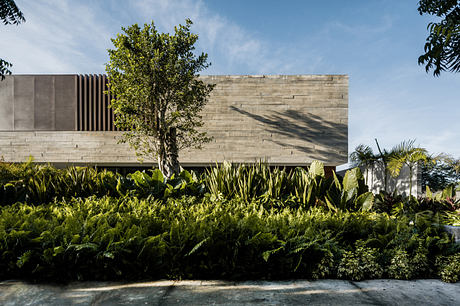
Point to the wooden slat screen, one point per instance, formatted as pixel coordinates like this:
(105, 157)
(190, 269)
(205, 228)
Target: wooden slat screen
(93, 112)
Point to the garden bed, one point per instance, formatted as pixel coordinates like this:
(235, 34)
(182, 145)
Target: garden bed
(232, 223)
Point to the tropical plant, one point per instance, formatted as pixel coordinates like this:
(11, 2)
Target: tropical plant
(39, 184)
(407, 154)
(384, 156)
(363, 156)
(127, 238)
(299, 188)
(442, 47)
(385, 201)
(158, 95)
(442, 172)
(351, 195)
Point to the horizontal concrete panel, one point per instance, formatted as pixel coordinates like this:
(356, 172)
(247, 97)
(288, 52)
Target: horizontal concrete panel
(103, 147)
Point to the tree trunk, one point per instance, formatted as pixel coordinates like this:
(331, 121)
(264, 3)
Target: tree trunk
(168, 155)
(385, 178)
(410, 182)
(367, 175)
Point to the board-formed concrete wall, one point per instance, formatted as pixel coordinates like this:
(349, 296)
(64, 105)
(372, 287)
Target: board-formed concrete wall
(284, 120)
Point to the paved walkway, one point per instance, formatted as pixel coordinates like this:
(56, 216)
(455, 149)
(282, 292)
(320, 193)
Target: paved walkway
(296, 292)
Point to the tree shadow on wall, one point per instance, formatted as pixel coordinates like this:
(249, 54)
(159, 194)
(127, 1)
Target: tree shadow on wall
(323, 139)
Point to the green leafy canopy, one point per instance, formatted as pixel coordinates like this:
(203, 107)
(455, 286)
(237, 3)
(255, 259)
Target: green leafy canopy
(442, 47)
(154, 78)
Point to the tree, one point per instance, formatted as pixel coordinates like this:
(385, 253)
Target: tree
(442, 47)
(9, 14)
(384, 156)
(363, 156)
(444, 171)
(158, 95)
(407, 154)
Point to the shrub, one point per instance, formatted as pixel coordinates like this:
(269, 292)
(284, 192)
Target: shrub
(449, 268)
(192, 237)
(238, 222)
(400, 267)
(360, 264)
(39, 184)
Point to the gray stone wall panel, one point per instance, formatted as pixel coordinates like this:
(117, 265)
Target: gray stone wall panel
(44, 103)
(7, 104)
(24, 89)
(66, 102)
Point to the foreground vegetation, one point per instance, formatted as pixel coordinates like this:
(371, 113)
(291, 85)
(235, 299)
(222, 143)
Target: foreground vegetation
(234, 222)
(127, 238)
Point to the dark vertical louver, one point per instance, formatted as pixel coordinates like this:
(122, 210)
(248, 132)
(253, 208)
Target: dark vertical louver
(93, 112)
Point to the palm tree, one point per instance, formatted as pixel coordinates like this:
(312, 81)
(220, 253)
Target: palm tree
(407, 154)
(363, 156)
(384, 156)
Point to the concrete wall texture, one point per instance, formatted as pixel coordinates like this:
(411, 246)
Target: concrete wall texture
(37, 102)
(374, 177)
(285, 120)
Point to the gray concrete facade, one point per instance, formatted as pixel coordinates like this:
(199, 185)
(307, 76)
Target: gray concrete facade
(37, 103)
(285, 120)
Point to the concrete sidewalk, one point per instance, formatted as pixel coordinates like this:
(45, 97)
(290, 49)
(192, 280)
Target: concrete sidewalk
(295, 292)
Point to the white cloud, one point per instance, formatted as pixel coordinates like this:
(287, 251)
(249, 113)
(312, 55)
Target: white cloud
(57, 37)
(383, 25)
(223, 40)
(64, 36)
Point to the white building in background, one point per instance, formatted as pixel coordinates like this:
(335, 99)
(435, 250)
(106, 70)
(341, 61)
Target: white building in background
(375, 179)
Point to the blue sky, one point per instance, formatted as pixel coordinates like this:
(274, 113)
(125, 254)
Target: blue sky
(376, 43)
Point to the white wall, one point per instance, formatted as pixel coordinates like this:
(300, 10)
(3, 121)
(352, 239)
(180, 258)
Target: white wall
(375, 178)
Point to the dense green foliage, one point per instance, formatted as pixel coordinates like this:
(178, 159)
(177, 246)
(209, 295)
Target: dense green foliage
(299, 188)
(443, 172)
(127, 238)
(233, 222)
(158, 95)
(276, 188)
(39, 184)
(442, 47)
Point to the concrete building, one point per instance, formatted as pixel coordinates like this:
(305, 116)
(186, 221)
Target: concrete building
(284, 120)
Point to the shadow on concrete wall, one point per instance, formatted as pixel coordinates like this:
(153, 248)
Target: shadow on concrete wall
(320, 137)
(375, 179)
